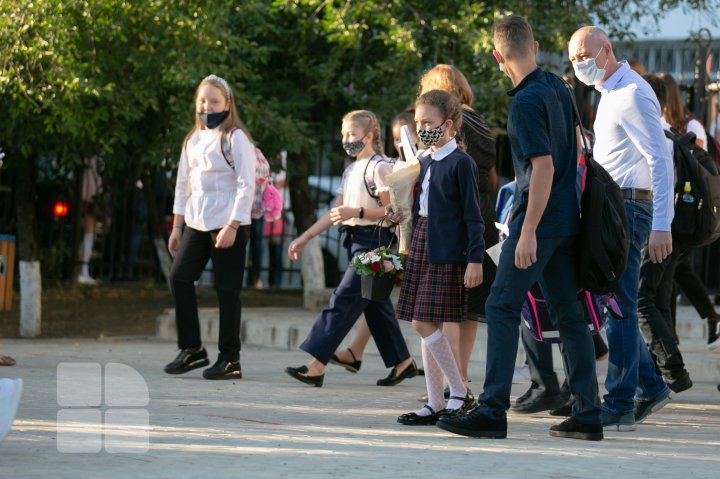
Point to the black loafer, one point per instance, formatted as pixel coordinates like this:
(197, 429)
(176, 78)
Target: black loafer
(413, 419)
(574, 429)
(394, 378)
(187, 360)
(529, 403)
(563, 411)
(353, 366)
(223, 369)
(301, 374)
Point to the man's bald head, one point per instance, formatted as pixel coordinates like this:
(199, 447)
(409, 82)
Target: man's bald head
(587, 42)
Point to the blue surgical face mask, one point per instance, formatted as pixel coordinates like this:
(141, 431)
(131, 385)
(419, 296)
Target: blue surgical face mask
(588, 71)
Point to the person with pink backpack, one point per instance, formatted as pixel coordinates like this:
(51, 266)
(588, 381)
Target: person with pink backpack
(214, 195)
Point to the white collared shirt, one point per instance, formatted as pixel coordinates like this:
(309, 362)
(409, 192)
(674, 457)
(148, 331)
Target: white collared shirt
(438, 155)
(357, 177)
(209, 192)
(630, 143)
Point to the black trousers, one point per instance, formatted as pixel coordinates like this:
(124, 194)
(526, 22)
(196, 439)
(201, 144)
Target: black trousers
(196, 248)
(655, 295)
(692, 286)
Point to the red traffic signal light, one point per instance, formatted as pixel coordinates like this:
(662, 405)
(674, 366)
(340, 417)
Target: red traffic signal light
(60, 209)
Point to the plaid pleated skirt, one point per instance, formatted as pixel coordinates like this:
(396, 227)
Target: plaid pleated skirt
(430, 292)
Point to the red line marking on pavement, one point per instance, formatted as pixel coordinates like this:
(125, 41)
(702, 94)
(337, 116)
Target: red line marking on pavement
(215, 416)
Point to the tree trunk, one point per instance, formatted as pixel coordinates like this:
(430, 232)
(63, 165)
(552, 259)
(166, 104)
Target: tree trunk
(155, 223)
(311, 259)
(30, 276)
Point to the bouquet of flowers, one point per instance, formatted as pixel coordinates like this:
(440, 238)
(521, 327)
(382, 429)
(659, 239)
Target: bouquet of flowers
(381, 261)
(379, 269)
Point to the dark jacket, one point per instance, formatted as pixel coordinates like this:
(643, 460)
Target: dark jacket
(455, 225)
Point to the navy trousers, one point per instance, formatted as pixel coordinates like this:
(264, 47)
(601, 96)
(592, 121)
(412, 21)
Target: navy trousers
(345, 306)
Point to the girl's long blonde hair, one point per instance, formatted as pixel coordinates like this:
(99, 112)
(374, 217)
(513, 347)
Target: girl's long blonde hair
(233, 119)
(367, 120)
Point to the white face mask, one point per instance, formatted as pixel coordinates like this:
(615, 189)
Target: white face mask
(588, 71)
(502, 69)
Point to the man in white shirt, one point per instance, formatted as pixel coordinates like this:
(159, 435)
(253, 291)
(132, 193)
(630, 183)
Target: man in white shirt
(631, 146)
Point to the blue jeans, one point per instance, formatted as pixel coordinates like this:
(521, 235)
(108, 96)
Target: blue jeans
(555, 271)
(631, 370)
(346, 304)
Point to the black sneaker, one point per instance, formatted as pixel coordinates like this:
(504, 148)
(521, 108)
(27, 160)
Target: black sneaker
(574, 429)
(644, 407)
(223, 369)
(187, 360)
(474, 424)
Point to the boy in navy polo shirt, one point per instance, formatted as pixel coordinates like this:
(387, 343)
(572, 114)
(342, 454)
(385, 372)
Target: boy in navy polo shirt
(541, 245)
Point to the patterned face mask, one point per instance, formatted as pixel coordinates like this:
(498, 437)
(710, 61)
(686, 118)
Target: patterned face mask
(430, 137)
(353, 148)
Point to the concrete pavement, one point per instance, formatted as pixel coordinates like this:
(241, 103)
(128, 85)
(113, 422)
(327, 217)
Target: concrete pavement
(268, 425)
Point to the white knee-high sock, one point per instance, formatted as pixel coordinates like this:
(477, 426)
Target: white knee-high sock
(434, 382)
(86, 252)
(440, 349)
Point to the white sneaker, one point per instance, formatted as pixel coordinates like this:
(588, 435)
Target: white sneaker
(714, 343)
(86, 279)
(10, 392)
(521, 374)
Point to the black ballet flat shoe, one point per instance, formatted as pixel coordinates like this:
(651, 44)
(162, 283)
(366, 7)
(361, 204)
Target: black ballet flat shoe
(394, 378)
(413, 419)
(353, 366)
(301, 375)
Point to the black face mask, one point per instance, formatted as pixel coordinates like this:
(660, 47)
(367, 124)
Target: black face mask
(213, 120)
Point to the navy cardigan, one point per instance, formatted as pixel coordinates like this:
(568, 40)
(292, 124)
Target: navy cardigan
(455, 225)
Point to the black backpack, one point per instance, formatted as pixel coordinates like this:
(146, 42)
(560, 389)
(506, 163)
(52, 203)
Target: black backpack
(603, 242)
(697, 218)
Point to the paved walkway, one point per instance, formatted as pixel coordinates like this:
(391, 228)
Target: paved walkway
(269, 425)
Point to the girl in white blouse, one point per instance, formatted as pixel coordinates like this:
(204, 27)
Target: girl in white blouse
(358, 208)
(213, 199)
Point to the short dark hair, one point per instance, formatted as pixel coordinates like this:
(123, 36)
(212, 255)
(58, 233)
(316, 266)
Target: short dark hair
(513, 37)
(658, 86)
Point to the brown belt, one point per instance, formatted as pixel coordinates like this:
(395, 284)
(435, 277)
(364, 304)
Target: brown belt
(636, 194)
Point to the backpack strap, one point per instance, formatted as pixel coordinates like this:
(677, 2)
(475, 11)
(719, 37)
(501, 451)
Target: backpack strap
(371, 190)
(226, 147)
(578, 122)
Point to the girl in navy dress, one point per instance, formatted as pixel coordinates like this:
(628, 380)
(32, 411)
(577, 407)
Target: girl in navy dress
(446, 252)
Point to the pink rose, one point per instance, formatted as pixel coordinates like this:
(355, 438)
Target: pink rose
(387, 265)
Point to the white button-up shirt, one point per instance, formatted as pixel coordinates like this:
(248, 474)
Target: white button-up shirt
(441, 153)
(209, 192)
(630, 143)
